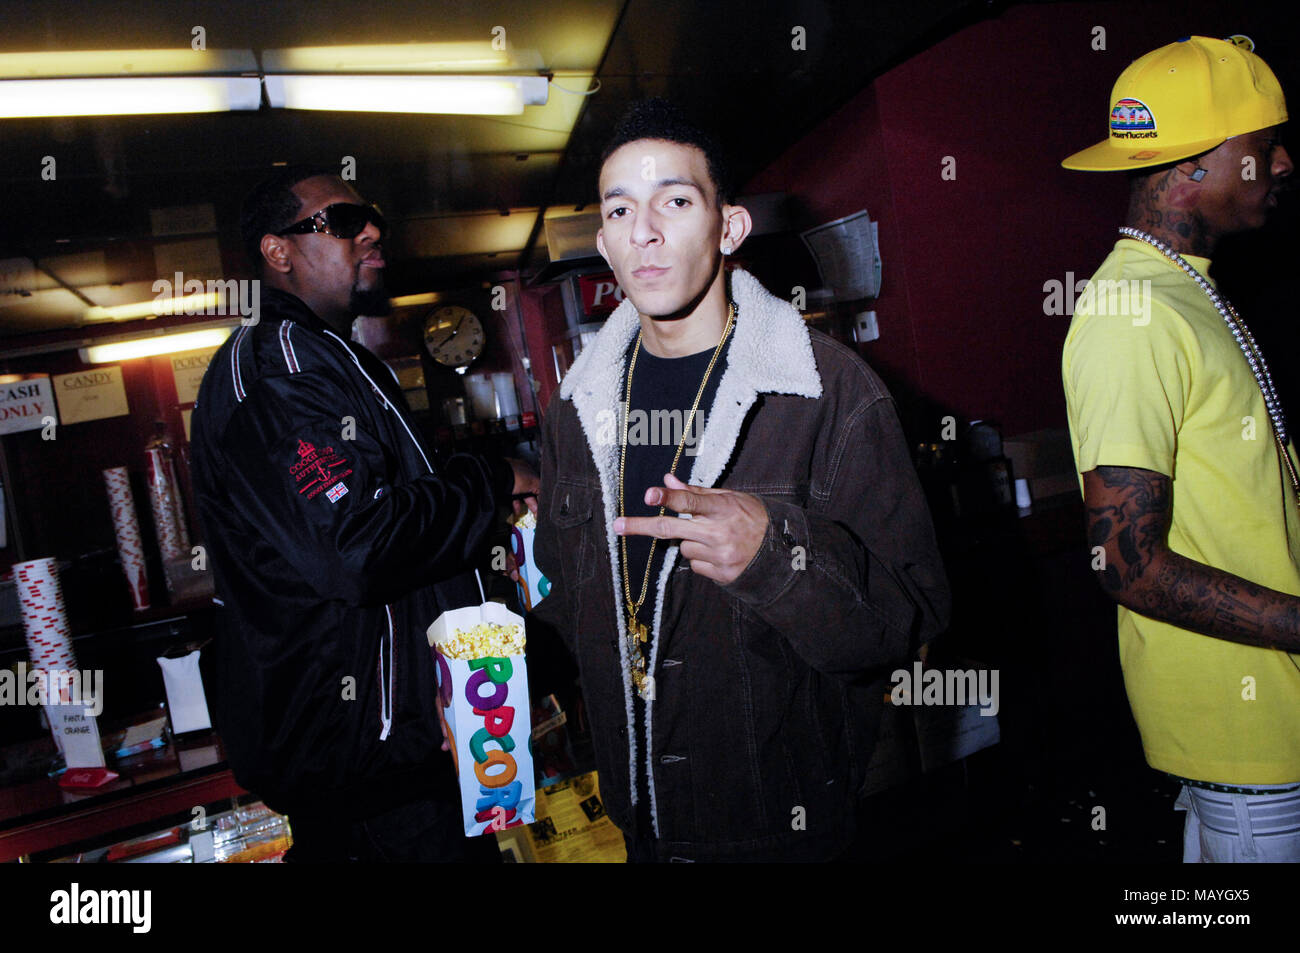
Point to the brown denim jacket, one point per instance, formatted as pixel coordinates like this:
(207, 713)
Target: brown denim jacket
(767, 690)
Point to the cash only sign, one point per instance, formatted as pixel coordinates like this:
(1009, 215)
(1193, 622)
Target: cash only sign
(26, 403)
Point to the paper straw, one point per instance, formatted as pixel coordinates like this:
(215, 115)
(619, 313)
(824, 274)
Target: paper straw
(130, 547)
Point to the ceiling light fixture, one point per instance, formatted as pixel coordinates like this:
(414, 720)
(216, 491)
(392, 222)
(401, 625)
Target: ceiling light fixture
(395, 58)
(407, 301)
(206, 303)
(408, 93)
(158, 343)
(127, 82)
(403, 78)
(134, 96)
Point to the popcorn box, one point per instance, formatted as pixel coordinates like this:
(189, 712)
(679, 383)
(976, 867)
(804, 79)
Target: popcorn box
(483, 700)
(533, 585)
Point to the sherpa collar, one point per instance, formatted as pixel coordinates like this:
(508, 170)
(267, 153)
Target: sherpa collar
(770, 353)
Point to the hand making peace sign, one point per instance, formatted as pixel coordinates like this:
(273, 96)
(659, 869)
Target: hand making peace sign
(721, 536)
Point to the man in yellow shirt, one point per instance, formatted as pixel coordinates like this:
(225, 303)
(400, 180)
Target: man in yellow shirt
(1188, 475)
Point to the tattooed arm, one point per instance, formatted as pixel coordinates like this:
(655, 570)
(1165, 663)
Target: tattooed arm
(1129, 511)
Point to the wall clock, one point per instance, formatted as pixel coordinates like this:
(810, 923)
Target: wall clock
(453, 336)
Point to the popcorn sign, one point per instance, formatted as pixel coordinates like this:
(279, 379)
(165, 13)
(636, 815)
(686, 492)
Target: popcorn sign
(483, 697)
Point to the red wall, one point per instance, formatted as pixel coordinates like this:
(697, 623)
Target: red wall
(961, 309)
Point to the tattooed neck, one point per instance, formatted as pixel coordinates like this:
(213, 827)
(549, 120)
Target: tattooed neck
(1183, 230)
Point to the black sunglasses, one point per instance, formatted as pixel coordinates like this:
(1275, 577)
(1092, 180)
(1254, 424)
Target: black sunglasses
(342, 220)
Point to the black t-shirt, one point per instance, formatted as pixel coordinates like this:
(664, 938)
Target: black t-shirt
(663, 391)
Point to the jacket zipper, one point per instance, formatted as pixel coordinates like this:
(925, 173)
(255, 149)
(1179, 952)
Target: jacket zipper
(386, 691)
(388, 405)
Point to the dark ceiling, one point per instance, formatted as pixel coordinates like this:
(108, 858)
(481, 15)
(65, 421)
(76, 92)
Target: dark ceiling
(444, 179)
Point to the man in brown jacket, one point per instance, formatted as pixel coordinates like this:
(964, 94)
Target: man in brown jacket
(738, 547)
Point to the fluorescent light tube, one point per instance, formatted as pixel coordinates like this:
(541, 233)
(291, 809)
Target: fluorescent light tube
(189, 304)
(154, 344)
(387, 58)
(173, 61)
(127, 96)
(459, 95)
(407, 301)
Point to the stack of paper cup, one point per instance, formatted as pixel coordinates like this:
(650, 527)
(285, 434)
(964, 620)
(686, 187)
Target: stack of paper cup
(482, 397)
(165, 498)
(49, 640)
(503, 384)
(130, 548)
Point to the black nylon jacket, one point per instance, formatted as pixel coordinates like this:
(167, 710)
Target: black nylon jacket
(336, 538)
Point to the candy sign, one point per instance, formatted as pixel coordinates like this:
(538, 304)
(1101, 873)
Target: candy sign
(91, 395)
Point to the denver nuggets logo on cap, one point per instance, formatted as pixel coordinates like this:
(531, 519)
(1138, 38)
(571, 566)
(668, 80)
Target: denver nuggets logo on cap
(1204, 90)
(1131, 115)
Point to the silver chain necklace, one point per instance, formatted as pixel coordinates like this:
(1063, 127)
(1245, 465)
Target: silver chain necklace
(1240, 333)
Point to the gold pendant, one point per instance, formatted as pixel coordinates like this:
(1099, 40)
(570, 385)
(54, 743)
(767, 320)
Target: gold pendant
(645, 684)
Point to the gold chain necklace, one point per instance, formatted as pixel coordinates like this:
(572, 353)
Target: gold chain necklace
(638, 633)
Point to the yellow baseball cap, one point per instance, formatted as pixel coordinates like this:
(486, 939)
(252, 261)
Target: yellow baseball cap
(1182, 100)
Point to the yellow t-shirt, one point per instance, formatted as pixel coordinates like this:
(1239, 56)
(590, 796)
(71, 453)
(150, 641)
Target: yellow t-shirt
(1154, 379)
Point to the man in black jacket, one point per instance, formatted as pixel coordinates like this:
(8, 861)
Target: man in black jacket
(336, 538)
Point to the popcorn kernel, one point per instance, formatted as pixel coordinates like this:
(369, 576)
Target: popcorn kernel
(485, 640)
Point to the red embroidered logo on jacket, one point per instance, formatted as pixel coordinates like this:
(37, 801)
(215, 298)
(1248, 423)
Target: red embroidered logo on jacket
(318, 469)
